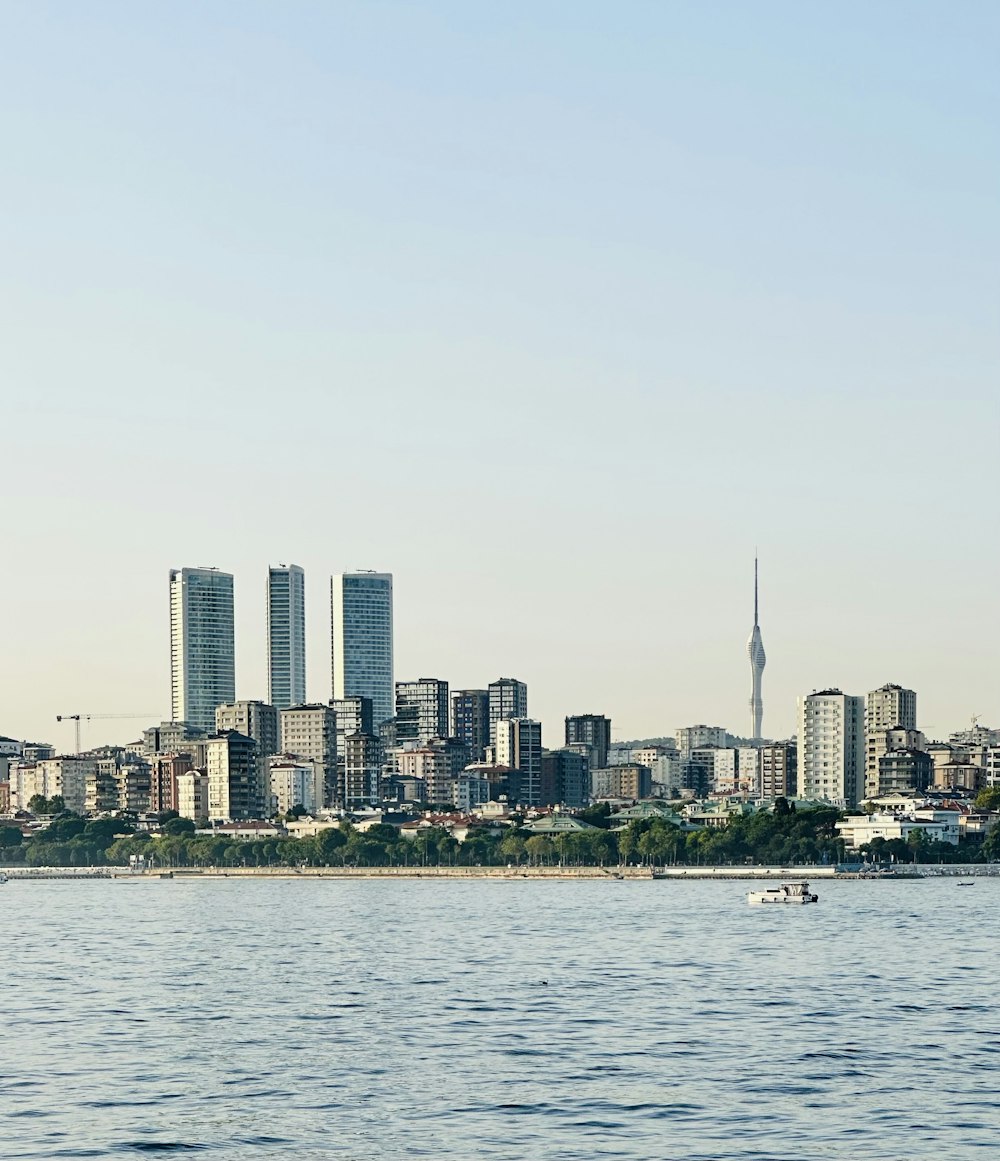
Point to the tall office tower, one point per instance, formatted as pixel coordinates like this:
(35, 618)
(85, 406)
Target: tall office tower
(286, 636)
(888, 707)
(235, 787)
(421, 710)
(755, 650)
(361, 639)
(202, 650)
(310, 731)
(470, 720)
(518, 744)
(831, 748)
(508, 699)
(779, 770)
(595, 731)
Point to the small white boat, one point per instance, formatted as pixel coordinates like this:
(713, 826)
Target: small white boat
(786, 893)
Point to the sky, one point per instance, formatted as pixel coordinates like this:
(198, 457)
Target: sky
(558, 311)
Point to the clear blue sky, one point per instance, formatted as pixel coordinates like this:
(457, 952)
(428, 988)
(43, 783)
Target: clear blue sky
(554, 310)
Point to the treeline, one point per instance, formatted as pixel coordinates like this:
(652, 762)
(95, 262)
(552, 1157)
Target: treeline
(782, 838)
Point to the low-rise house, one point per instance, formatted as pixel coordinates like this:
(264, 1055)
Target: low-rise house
(861, 829)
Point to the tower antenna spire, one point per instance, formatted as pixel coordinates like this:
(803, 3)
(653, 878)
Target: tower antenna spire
(756, 618)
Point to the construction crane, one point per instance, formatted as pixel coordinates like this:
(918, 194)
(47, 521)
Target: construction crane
(77, 718)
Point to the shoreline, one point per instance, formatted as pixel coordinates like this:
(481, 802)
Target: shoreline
(675, 874)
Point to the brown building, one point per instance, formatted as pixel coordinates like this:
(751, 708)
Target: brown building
(163, 780)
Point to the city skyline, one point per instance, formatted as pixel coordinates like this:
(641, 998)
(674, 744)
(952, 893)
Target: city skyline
(125, 731)
(681, 284)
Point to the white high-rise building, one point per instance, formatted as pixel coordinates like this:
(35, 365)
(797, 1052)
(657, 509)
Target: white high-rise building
(286, 636)
(202, 646)
(361, 639)
(831, 750)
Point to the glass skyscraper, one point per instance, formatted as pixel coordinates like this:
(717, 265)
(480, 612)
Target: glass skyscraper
(361, 639)
(202, 649)
(286, 636)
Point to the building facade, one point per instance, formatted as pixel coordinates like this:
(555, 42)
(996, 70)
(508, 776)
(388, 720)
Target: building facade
(235, 789)
(779, 769)
(831, 746)
(286, 636)
(470, 720)
(593, 730)
(295, 782)
(361, 639)
(508, 699)
(565, 779)
(518, 744)
(421, 710)
(202, 645)
(310, 731)
(362, 771)
(886, 708)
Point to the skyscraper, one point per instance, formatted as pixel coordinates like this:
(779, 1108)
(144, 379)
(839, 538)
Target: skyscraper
(361, 639)
(202, 649)
(508, 699)
(755, 648)
(286, 636)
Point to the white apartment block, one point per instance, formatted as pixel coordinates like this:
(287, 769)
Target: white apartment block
(296, 782)
(831, 747)
(50, 777)
(310, 731)
(192, 794)
(698, 737)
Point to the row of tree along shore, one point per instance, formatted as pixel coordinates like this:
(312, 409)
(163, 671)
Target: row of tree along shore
(784, 837)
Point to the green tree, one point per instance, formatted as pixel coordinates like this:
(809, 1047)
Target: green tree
(512, 847)
(988, 798)
(175, 827)
(38, 804)
(540, 849)
(10, 836)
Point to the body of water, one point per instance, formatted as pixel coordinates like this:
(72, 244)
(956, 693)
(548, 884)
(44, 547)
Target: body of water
(498, 1019)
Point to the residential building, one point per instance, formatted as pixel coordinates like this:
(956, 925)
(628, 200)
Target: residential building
(295, 782)
(697, 771)
(938, 825)
(235, 790)
(518, 743)
(663, 763)
(170, 738)
(593, 730)
(690, 738)
(470, 720)
(192, 795)
(361, 639)
(255, 719)
(902, 770)
(310, 731)
(437, 765)
(632, 781)
(508, 699)
(565, 778)
(202, 649)
(286, 636)
(421, 710)
(37, 751)
(362, 771)
(470, 792)
(779, 769)
(354, 716)
(975, 736)
(164, 770)
(11, 748)
(51, 777)
(831, 747)
(886, 708)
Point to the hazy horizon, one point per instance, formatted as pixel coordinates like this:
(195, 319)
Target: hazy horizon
(554, 312)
